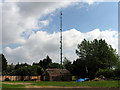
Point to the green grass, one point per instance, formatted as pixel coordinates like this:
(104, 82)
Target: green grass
(12, 86)
(74, 84)
(106, 83)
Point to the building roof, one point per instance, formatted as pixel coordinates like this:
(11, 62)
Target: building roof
(58, 72)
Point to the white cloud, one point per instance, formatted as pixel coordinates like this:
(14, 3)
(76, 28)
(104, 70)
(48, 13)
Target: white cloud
(0, 1)
(0, 27)
(88, 1)
(11, 24)
(23, 17)
(41, 44)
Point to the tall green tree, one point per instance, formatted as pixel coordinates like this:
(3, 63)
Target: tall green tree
(0, 64)
(117, 69)
(67, 64)
(4, 64)
(38, 70)
(93, 56)
(43, 63)
(10, 70)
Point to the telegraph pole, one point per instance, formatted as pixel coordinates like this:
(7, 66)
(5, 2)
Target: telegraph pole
(61, 37)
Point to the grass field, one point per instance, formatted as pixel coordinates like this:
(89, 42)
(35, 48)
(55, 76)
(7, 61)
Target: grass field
(12, 86)
(32, 84)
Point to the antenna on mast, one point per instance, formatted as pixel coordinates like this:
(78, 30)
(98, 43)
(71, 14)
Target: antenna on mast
(61, 37)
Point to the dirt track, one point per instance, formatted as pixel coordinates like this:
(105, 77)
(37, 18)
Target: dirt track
(53, 87)
(16, 83)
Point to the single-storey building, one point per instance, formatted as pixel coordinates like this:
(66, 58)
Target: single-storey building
(57, 75)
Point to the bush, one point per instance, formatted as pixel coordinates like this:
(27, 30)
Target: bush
(117, 73)
(108, 73)
(4, 73)
(7, 79)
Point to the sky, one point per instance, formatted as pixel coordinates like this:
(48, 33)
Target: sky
(30, 30)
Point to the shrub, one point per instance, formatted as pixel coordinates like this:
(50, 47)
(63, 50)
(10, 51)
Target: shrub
(108, 73)
(7, 79)
(117, 73)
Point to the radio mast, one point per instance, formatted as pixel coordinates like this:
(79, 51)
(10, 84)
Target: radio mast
(61, 37)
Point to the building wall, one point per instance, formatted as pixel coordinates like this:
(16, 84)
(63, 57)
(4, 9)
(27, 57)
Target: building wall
(60, 78)
(66, 78)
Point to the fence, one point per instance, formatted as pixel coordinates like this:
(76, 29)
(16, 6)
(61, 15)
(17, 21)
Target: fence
(19, 78)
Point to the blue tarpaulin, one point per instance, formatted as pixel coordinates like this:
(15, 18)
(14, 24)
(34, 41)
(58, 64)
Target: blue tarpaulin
(81, 80)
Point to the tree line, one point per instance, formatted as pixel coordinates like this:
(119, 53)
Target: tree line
(95, 58)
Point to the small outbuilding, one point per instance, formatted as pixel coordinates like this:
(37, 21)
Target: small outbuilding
(57, 75)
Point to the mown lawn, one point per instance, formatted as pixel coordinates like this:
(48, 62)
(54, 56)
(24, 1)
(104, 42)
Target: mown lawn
(12, 86)
(106, 83)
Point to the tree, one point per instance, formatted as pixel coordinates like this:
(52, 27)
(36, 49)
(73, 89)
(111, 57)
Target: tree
(113, 58)
(35, 63)
(22, 69)
(117, 69)
(96, 53)
(45, 62)
(55, 65)
(17, 65)
(0, 64)
(79, 68)
(38, 69)
(11, 69)
(108, 73)
(67, 64)
(28, 70)
(4, 64)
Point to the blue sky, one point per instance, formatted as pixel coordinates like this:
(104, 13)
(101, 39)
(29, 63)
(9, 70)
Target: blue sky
(103, 15)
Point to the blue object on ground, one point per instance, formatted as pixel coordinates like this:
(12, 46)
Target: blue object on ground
(81, 80)
(85, 79)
